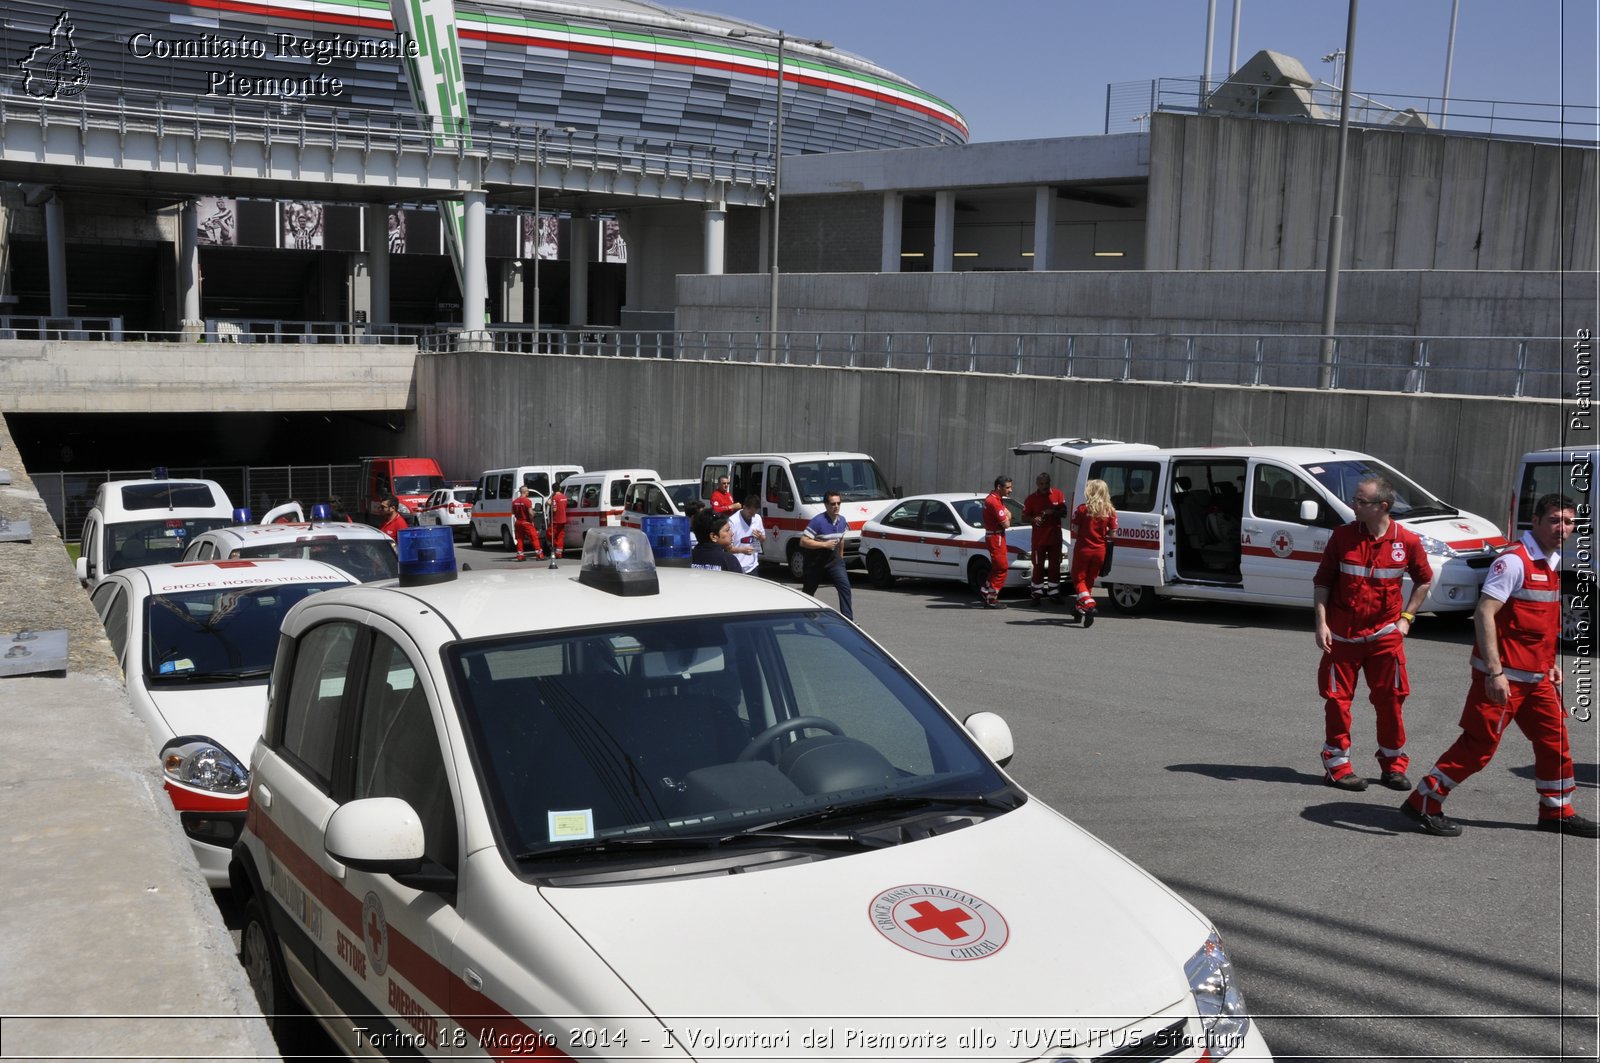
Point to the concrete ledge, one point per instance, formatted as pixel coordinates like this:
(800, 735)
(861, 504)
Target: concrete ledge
(113, 946)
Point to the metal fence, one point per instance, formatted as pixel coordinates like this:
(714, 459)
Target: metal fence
(1525, 367)
(70, 495)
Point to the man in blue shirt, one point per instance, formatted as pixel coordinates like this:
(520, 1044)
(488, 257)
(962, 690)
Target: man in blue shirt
(823, 543)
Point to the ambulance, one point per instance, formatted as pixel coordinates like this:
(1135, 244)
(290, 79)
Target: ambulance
(792, 486)
(147, 522)
(600, 499)
(1249, 524)
(630, 816)
(497, 488)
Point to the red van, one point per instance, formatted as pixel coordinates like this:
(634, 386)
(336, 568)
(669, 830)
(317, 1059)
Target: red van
(411, 480)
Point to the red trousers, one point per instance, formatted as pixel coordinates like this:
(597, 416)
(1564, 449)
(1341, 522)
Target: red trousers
(558, 539)
(1536, 708)
(1046, 558)
(527, 532)
(999, 564)
(1383, 661)
(1087, 561)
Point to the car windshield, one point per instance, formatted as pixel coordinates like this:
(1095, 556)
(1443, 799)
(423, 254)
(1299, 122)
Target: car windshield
(417, 485)
(365, 559)
(170, 494)
(970, 510)
(711, 726)
(218, 633)
(856, 480)
(132, 543)
(1341, 477)
(683, 494)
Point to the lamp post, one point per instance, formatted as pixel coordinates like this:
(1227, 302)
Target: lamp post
(538, 219)
(782, 40)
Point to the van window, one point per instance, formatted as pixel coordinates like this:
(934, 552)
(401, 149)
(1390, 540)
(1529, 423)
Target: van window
(745, 479)
(507, 487)
(1132, 483)
(619, 491)
(486, 486)
(709, 477)
(169, 494)
(856, 480)
(561, 477)
(1276, 494)
(1554, 477)
(537, 481)
(591, 496)
(779, 491)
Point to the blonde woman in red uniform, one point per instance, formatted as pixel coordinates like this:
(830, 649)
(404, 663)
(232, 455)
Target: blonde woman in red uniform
(1094, 525)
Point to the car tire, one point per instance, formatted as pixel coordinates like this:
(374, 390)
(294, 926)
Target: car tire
(878, 570)
(1130, 598)
(507, 540)
(262, 959)
(797, 563)
(472, 534)
(978, 574)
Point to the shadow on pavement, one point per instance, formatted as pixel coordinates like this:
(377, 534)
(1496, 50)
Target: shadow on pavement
(1253, 772)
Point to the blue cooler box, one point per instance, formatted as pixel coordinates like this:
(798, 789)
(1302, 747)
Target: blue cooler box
(670, 539)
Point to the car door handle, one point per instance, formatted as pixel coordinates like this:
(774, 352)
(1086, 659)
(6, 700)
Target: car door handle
(1254, 529)
(263, 796)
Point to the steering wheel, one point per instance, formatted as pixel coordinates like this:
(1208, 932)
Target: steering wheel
(778, 730)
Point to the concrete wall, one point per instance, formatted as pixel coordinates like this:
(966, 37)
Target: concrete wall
(91, 377)
(931, 431)
(1246, 194)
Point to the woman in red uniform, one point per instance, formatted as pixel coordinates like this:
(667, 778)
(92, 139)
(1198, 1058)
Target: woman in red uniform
(1094, 525)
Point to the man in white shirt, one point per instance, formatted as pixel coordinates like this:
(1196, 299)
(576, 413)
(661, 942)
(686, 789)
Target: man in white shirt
(748, 534)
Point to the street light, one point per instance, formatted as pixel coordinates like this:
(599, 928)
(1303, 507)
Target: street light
(782, 40)
(538, 219)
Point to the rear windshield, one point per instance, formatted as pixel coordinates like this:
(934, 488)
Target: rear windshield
(132, 543)
(465, 494)
(365, 559)
(170, 494)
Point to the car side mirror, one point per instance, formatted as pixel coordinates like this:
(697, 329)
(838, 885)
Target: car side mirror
(993, 735)
(377, 834)
(1308, 511)
(83, 570)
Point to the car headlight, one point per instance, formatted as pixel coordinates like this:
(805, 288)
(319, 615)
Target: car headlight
(1437, 547)
(205, 765)
(1217, 995)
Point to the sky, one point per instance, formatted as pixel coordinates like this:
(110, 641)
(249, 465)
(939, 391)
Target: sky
(1026, 69)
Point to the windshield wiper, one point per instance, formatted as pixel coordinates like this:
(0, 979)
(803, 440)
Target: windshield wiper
(637, 841)
(1003, 800)
(1429, 511)
(226, 676)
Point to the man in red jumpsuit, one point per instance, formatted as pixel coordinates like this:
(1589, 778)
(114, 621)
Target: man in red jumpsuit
(522, 520)
(556, 521)
(1044, 509)
(996, 519)
(1361, 628)
(722, 498)
(1514, 677)
(391, 523)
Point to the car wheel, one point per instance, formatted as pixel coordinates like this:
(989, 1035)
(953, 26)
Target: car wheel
(507, 540)
(263, 965)
(1131, 597)
(472, 534)
(878, 569)
(797, 562)
(978, 574)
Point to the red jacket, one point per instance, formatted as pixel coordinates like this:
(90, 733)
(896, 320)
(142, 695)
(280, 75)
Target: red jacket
(522, 509)
(396, 524)
(1092, 533)
(722, 502)
(995, 513)
(1527, 624)
(1363, 576)
(558, 507)
(1048, 507)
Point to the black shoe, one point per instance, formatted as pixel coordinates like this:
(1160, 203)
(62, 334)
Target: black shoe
(1088, 618)
(993, 603)
(1575, 825)
(1438, 825)
(1396, 780)
(1352, 782)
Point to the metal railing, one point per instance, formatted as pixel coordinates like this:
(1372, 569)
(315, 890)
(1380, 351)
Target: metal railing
(1130, 103)
(32, 327)
(233, 120)
(70, 495)
(1518, 367)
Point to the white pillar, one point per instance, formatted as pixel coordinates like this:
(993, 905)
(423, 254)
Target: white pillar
(581, 240)
(358, 290)
(715, 225)
(188, 261)
(474, 267)
(944, 231)
(1044, 227)
(894, 224)
(55, 230)
(377, 243)
(513, 290)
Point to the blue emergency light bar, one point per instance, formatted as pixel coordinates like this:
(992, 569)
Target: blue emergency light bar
(241, 515)
(320, 511)
(427, 555)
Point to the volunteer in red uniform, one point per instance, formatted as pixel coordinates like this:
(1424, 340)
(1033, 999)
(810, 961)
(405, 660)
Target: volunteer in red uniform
(1044, 509)
(1361, 628)
(556, 521)
(1515, 677)
(722, 499)
(996, 519)
(390, 522)
(1094, 525)
(522, 519)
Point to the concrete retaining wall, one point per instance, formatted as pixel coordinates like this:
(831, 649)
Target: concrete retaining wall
(932, 431)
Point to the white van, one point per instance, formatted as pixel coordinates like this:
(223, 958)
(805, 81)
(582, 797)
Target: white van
(491, 513)
(147, 522)
(1564, 471)
(599, 499)
(1249, 524)
(792, 487)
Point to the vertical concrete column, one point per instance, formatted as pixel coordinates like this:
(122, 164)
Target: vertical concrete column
(474, 266)
(716, 221)
(944, 231)
(376, 220)
(630, 269)
(513, 290)
(894, 225)
(579, 251)
(188, 261)
(1044, 227)
(55, 233)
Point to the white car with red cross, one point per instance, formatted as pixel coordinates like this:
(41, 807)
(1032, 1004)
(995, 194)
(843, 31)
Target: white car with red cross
(941, 537)
(677, 814)
(196, 641)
